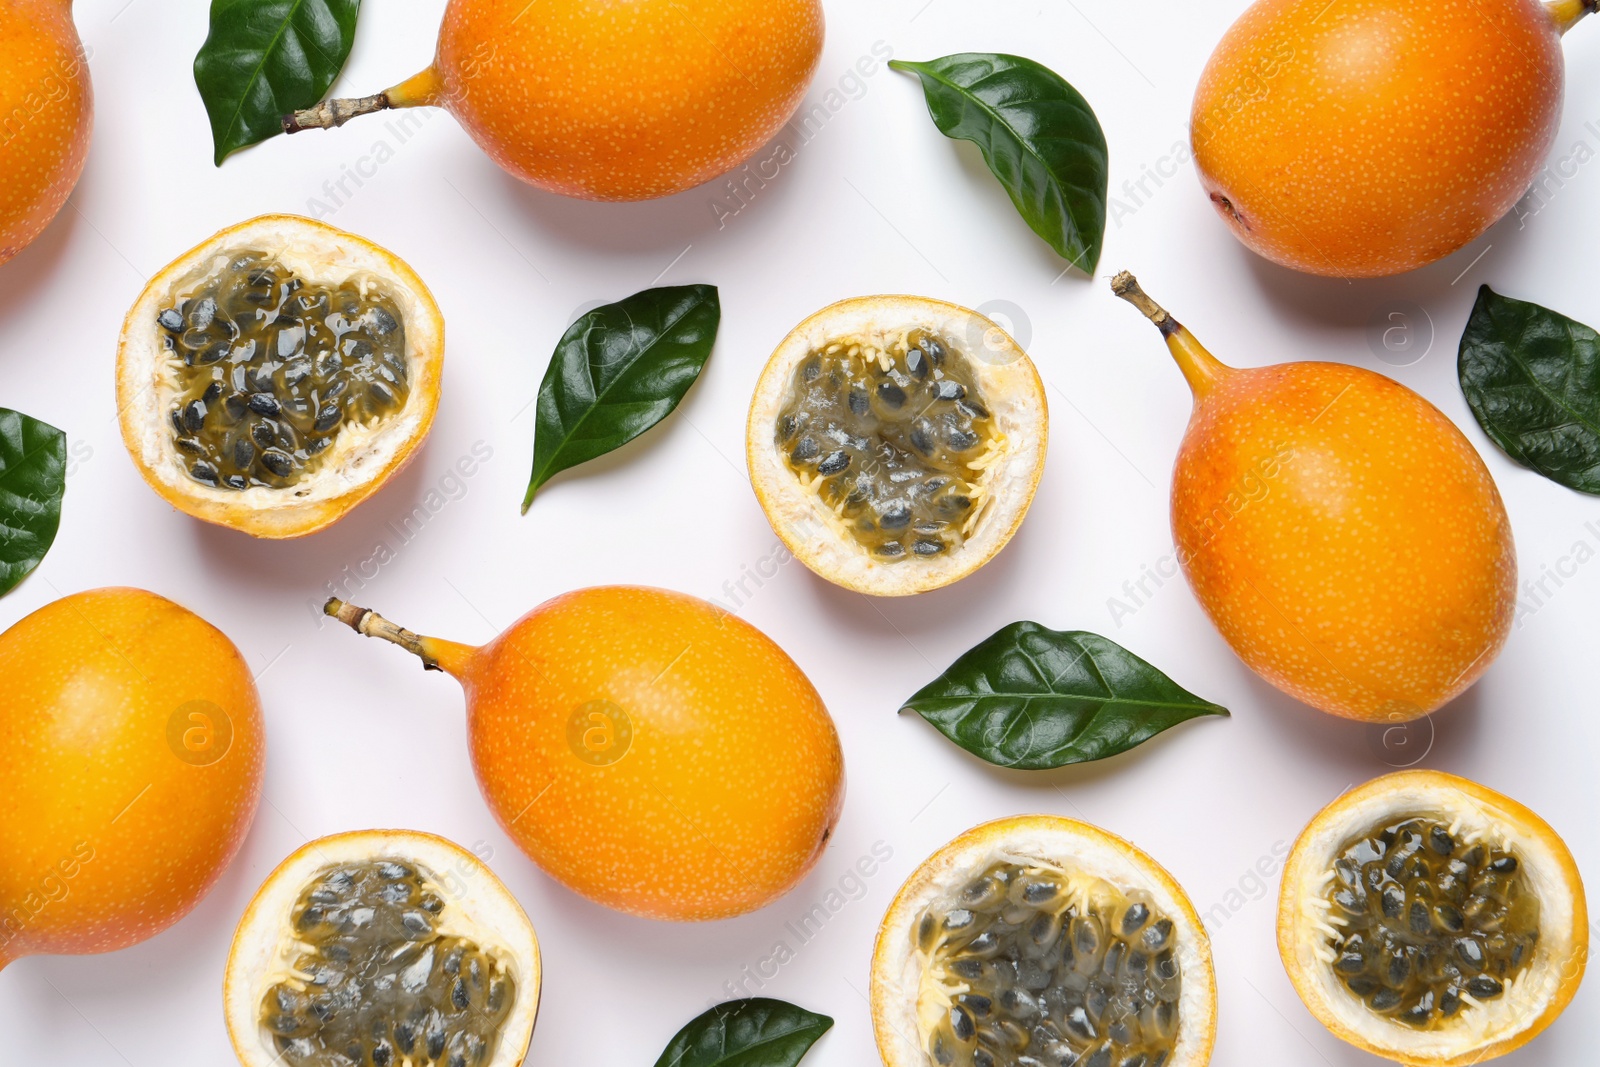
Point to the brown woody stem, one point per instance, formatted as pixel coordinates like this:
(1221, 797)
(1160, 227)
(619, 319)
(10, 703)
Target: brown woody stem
(1126, 286)
(332, 113)
(369, 623)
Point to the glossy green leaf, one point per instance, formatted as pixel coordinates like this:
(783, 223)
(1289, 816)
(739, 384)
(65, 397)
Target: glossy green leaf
(1532, 379)
(757, 1032)
(33, 478)
(618, 371)
(266, 58)
(1039, 137)
(1031, 697)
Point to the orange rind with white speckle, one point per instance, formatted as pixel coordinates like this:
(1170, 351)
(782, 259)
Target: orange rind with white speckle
(647, 749)
(1471, 998)
(132, 763)
(48, 110)
(1340, 531)
(1372, 137)
(607, 101)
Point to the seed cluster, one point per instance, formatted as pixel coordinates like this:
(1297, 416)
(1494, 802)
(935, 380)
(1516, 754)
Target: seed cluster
(1428, 921)
(378, 986)
(270, 367)
(1052, 978)
(894, 440)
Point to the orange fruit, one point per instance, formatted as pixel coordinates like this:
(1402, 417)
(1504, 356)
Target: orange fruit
(375, 947)
(131, 736)
(46, 111)
(1371, 137)
(895, 442)
(611, 101)
(649, 750)
(1487, 919)
(1342, 534)
(1047, 935)
(230, 360)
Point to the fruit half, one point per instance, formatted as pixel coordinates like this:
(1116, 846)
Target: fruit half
(275, 376)
(1042, 940)
(895, 442)
(382, 948)
(1432, 921)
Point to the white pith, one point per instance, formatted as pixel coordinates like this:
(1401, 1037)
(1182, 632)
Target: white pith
(477, 906)
(1483, 1027)
(362, 454)
(1005, 475)
(908, 999)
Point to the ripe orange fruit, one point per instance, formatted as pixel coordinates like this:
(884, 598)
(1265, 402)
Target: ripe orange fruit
(372, 947)
(1339, 530)
(277, 374)
(130, 755)
(1487, 919)
(1371, 137)
(611, 101)
(649, 750)
(46, 110)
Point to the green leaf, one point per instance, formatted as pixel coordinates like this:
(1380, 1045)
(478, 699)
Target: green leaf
(33, 478)
(757, 1032)
(1039, 137)
(618, 371)
(266, 58)
(1032, 697)
(1532, 379)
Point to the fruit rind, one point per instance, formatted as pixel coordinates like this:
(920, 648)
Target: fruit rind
(1012, 391)
(897, 964)
(361, 459)
(477, 905)
(1495, 1027)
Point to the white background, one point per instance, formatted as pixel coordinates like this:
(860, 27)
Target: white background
(877, 201)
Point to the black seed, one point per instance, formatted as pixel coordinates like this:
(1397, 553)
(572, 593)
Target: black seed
(263, 403)
(244, 453)
(1156, 935)
(1440, 841)
(859, 404)
(171, 320)
(948, 390)
(1077, 1022)
(1482, 987)
(807, 449)
(972, 410)
(1450, 918)
(328, 416)
(961, 1023)
(1470, 952)
(1384, 999)
(1399, 968)
(898, 517)
(265, 434)
(1504, 865)
(458, 994)
(832, 463)
(921, 439)
(1394, 901)
(982, 1058)
(891, 394)
(1361, 986)
(924, 546)
(194, 415)
(191, 446)
(204, 472)
(1166, 965)
(961, 440)
(891, 549)
(977, 1004)
(202, 314)
(917, 363)
(968, 969)
(1134, 918)
(1450, 1001)
(1418, 918)
(277, 462)
(933, 348)
(435, 1043)
(382, 1054)
(1351, 963)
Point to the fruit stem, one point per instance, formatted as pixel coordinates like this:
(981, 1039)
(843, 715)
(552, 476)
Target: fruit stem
(417, 91)
(1200, 368)
(1568, 13)
(436, 655)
